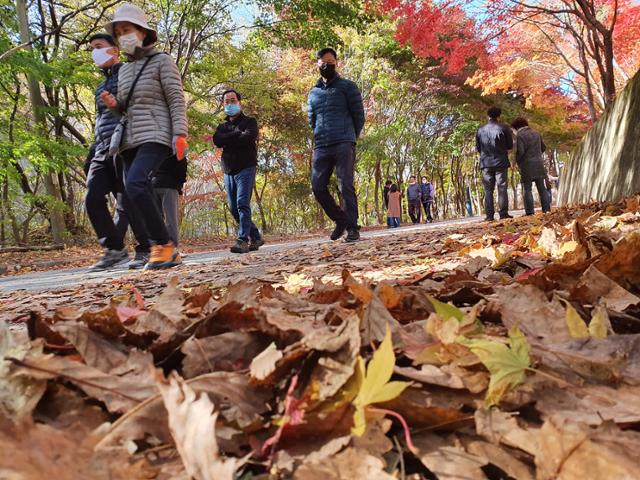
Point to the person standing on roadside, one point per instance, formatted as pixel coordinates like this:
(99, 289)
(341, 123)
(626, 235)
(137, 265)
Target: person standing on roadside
(104, 171)
(238, 138)
(426, 196)
(414, 199)
(336, 115)
(151, 97)
(493, 142)
(529, 150)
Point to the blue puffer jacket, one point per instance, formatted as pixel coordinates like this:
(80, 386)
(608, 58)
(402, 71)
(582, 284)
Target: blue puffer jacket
(336, 112)
(106, 120)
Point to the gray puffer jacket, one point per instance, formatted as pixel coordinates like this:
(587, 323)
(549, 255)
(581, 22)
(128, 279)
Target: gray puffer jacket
(157, 110)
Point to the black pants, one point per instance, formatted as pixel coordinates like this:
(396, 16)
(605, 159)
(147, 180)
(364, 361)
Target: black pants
(489, 178)
(139, 165)
(342, 158)
(414, 210)
(528, 195)
(427, 210)
(104, 178)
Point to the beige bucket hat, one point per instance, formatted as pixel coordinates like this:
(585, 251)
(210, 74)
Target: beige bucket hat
(132, 14)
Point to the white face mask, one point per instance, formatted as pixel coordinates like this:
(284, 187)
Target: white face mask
(129, 42)
(101, 56)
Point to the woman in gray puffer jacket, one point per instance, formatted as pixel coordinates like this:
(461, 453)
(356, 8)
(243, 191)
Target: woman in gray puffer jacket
(156, 121)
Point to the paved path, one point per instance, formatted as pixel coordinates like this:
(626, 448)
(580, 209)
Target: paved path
(75, 276)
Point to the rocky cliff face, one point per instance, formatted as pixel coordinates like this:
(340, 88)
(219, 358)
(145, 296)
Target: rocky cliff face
(606, 163)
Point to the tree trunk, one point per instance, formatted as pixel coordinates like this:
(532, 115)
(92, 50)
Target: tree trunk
(55, 211)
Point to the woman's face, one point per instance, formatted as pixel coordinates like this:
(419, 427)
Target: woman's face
(124, 28)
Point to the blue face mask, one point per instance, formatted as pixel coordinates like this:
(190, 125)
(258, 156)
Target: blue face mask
(232, 109)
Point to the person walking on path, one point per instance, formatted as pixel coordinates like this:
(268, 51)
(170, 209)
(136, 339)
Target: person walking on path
(151, 97)
(394, 210)
(238, 137)
(426, 196)
(493, 142)
(168, 182)
(336, 115)
(385, 197)
(104, 171)
(529, 150)
(414, 199)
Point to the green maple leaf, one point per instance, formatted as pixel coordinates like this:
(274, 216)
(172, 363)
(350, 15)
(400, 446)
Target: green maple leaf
(506, 364)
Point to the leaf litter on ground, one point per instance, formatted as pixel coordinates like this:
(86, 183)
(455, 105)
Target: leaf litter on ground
(480, 351)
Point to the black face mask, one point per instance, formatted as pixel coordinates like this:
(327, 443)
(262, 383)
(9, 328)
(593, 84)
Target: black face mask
(328, 70)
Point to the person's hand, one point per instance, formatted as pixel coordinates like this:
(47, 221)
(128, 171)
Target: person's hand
(180, 146)
(109, 100)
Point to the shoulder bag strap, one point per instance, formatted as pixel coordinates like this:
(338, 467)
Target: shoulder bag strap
(135, 81)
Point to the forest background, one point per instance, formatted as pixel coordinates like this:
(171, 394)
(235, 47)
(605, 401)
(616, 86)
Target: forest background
(427, 72)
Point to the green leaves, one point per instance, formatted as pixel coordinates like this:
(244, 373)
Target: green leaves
(375, 386)
(506, 364)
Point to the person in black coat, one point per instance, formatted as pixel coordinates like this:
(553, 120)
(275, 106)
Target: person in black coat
(238, 138)
(104, 172)
(493, 142)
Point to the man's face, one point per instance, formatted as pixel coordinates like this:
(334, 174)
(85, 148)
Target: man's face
(113, 50)
(327, 59)
(412, 180)
(230, 98)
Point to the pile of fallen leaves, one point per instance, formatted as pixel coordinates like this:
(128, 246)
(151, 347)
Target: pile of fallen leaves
(518, 357)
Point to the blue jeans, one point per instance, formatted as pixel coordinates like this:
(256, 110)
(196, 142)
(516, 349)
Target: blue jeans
(342, 158)
(239, 189)
(528, 195)
(393, 222)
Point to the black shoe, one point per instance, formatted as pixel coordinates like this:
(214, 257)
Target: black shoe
(139, 261)
(489, 219)
(353, 235)
(111, 258)
(241, 246)
(338, 231)
(505, 217)
(256, 244)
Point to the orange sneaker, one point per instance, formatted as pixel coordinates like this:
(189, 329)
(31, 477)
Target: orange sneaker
(163, 256)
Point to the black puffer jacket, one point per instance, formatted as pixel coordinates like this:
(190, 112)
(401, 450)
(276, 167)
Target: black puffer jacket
(106, 120)
(171, 174)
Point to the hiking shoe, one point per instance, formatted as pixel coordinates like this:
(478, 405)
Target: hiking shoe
(139, 261)
(241, 246)
(256, 244)
(489, 219)
(353, 235)
(163, 256)
(338, 231)
(111, 258)
(505, 217)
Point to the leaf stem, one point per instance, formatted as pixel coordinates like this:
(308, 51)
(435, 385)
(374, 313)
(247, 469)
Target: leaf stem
(403, 422)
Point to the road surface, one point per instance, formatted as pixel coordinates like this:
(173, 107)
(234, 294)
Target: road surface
(53, 279)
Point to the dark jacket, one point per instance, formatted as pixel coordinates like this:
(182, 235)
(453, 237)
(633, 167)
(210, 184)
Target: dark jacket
(414, 192)
(238, 139)
(426, 192)
(106, 120)
(493, 142)
(171, 174)
(385, 196)
(336, 112)
(529, 150)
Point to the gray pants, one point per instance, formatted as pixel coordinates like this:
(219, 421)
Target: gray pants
(489, 178)
(167, 199)
(528, 195)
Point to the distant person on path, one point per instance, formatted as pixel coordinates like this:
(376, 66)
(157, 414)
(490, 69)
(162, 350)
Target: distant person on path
(104, 171)
(493, 142)
(426, 196)
(385, 197)
(529, 150)
(238, 138)
(151, 96)
(336, 115)
(414, 199)
(167, 188)
(394, 210)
